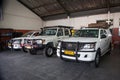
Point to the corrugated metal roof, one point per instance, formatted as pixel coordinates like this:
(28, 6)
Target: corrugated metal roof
(53, 9)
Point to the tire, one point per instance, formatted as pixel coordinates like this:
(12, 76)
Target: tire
(33, 51)
(49, 51)
(97, 59)
(24, 50)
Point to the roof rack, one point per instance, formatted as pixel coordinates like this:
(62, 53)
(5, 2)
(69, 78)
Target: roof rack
(103, 25)
(61, 26)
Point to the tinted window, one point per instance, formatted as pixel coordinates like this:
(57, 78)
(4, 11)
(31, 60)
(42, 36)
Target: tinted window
(49, 32)
(87, 33)
(60, 32)
(66, 32)
(101, 32)
(27, 34)
(36, 34)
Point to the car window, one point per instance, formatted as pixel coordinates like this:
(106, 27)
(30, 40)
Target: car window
(28, 34)
(60, 32)
(66, 32)
(87, 33)
(105, 32)
(49, 32)
(101, 32)
(36, 34)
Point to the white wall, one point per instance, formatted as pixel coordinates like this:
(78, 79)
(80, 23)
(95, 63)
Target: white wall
(17, 16)
(84, 21)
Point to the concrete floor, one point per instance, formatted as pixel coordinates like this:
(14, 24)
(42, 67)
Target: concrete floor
(21, 66)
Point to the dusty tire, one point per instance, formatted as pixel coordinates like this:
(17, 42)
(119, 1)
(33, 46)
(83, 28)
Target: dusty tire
(24, 50)
(49, 51)
(96, 62)
(97, 59)
(32, 51)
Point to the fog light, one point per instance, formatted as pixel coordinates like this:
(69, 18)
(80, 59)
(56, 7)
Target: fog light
(85, 56)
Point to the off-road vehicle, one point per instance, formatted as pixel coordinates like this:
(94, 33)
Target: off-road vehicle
(18, 43)
(48, 40)
(88, 44)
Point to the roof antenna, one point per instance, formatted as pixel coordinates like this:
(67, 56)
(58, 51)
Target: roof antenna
(108, 16)
(68, 18)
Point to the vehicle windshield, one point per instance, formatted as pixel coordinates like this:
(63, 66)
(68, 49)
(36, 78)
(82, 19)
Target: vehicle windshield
(27, 34)
(87, 33)
(49, 31)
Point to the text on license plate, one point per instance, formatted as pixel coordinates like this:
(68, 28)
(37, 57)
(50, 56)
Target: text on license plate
(28, 47)
(69, 52)
(9, 44)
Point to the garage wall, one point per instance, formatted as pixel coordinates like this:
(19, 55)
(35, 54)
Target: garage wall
(84, 21)
(16, 16)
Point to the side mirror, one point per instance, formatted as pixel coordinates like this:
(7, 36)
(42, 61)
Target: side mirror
(103, 36)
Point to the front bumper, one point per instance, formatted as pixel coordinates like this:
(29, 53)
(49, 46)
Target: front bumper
(14, 46)
(37, 46)
(81, 56)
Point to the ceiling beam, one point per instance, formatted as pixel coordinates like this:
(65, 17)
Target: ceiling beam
(44, 5)
(66, 11)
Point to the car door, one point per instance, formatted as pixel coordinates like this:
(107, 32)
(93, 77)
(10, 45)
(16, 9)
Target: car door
(66, 33)
(107, 40)
(60, 34)
(103, 41)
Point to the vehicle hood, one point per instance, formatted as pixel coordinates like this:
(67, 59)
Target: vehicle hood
(43, 37)
(19, 38)
(81, 39)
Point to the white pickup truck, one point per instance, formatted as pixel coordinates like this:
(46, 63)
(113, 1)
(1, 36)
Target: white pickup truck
(48, 40)
(88, 44)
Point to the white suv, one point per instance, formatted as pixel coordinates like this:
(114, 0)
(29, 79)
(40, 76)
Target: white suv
(48, 40)
(18, 43)
(88, 44)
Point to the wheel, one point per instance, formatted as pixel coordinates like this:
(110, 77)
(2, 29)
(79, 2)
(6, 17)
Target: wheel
(24, 49)
(33, 51)
(49, 51)
(97, 59)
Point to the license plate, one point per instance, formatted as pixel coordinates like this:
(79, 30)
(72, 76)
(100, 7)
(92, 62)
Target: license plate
(9, 44)
(28, 47)
(67, 52)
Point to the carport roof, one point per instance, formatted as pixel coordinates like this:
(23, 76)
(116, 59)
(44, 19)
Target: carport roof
(56, 9)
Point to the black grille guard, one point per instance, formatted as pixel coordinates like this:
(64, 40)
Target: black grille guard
(76, 51)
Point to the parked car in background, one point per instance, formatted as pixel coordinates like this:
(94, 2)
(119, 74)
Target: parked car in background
(88, 44)
(48, 40)
(18, 43)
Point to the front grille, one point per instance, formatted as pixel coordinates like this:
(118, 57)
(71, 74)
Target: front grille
(69, 46)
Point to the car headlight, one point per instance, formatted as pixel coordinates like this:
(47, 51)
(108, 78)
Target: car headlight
(87, 47)
(40, 41)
